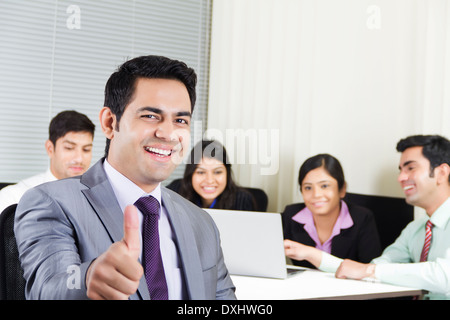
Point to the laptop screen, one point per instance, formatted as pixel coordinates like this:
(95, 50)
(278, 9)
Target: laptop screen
(252, 242)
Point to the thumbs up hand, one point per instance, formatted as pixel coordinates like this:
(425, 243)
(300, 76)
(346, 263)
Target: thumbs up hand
(116, 273)
(131, 232)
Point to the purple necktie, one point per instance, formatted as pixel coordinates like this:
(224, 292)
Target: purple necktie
(152, 261)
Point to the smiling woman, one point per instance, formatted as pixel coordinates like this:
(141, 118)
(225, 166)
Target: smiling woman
(324, 221)
(208, 180)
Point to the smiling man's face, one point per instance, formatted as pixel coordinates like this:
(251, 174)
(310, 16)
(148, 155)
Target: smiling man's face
(153, 133)
(415, 178)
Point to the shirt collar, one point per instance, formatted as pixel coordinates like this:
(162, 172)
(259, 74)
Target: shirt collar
(126, 191)
(49, 175)
(441, 216)
(344, 220)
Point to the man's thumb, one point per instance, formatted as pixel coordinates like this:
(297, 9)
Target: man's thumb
(131, 231)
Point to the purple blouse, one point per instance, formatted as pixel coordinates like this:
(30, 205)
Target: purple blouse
(344, 221)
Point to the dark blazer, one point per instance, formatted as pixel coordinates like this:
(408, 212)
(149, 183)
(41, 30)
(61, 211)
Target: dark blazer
(359, 242)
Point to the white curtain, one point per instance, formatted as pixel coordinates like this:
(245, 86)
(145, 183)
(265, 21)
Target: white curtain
(293, 78)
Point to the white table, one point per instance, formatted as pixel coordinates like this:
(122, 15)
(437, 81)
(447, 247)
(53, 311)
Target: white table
(313, 284)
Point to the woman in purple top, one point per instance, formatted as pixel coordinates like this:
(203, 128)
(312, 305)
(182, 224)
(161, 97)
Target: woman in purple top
(324, 221)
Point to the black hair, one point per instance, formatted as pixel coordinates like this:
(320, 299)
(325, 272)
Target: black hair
(215, 150)
(435, 148)
(328, 162)
(69, 121)
(121, 84)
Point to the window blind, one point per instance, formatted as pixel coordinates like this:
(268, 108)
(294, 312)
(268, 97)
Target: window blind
(58, 55)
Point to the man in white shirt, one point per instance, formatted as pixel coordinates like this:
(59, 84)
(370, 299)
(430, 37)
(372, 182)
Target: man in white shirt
(69, 148)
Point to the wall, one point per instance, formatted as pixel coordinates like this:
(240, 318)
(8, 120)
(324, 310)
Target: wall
(293, 78)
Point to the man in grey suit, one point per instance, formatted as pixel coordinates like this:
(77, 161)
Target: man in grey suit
(81, 237)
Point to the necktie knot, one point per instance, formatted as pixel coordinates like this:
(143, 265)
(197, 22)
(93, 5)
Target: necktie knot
(148, 205)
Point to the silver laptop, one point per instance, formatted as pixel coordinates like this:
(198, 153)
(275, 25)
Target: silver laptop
(252, 243)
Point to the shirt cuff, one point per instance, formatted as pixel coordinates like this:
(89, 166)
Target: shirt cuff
(329, 263)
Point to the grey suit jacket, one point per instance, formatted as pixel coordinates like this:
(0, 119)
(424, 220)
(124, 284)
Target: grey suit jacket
(62, 226)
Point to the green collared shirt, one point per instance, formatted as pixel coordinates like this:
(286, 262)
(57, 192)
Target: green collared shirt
(399, 264)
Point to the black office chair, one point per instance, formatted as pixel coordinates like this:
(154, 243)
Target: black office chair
(4, 184)
(261, 199)
(12, 283)
(391, 214)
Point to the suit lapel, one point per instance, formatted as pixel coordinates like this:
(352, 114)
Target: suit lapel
(101, 197)
(186, 244)
(341, 245)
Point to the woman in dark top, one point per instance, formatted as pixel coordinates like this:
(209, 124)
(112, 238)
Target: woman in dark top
(208, 180)
(325, 223)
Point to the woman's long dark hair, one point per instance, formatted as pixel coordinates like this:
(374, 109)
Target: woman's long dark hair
(214, 150)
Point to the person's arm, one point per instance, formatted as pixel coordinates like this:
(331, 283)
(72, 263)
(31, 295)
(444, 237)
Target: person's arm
(49, 254)
(395, 253)
(47, 249)
(321, 260)
(350, 269)
(298, 251)
(433, 276)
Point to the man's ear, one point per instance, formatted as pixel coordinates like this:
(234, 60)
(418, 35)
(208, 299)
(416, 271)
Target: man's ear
(442, 173)
(50, 148)
(107, 122)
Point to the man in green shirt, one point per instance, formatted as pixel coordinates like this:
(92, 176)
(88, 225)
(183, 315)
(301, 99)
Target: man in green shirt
(414, 259)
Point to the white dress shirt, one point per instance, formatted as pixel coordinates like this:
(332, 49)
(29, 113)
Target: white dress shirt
(11, 194)
(128, 193)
